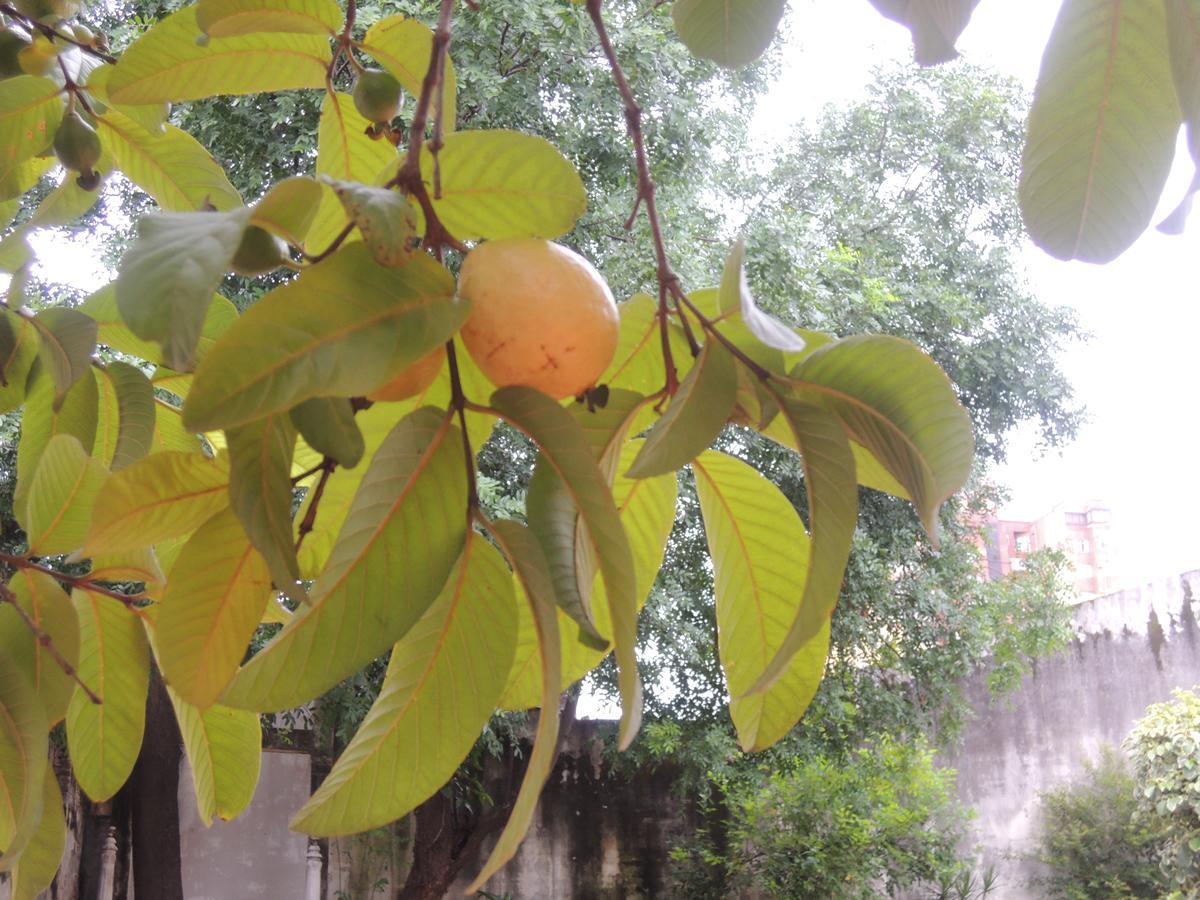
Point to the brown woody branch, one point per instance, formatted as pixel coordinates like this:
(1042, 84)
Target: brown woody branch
(310, 518)
(459, 403)
(78, 582)
(7, 596)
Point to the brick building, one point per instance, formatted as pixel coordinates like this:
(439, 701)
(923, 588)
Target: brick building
(1082, 532)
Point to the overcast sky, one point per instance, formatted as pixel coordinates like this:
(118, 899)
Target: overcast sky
(1138, 373)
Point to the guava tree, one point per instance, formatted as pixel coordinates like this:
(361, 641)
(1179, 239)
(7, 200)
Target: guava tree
(171, 464)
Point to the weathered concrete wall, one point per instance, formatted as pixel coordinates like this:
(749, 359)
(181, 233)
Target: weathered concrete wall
(594, 836)
(1132, 648)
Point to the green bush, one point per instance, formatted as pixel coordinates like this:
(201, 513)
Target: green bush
(882, 820)
(1093, 839)
(1165, 749)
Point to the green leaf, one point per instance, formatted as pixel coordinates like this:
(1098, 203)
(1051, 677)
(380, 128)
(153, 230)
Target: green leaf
(169, 433)
(114, 333)
(17, 179)
(735, 297)
(868, 470)
(288, 209)
(345, 153)
(171, 166)
(50, 608)
(260, 491)
(151, 117)
(731, 33)
(216, 595)
(344, 328)
(38, 864)
(155, 301)
(76, 415)
(224, 751)
(935, 25)
(895, 401)
(167, 64)
(23, 748)
(30, 110)
(442, 684)
(68, 201)
(566, 448)
(1101, 131)
(1183, 36)
(409, 516)
(165, 495)
(228, 18)
(404, 46)
(65, 486)
(114, 661)
(18, 350)
(695, 417)
(832, 510)
(637, 363)
(384, 218)
(68, 338)
(136, 411)
(503, 184)
(758, 547)
(533, 574)
(328, 426)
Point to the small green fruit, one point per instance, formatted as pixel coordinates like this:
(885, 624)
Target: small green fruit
(11, 45)
(84, 35)
(377, 95)
(76, 144)
(259, 252)
(38, 58)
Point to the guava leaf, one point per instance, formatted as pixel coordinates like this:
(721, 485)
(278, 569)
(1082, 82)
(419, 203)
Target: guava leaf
(30, 110)
(50, 608)
(935, 25)
(384, 218)
(442, 683)
(409, 516)
(23, 747)
(38, 864)
(68, 338)
(18, 349)
(503, 184)
(1102, 128)
(224, 751)
(114, 661)
(327, 425)
(229, 18)
(288, 209)
(166, 64)
(735, 296)
(136, 414)
(730, 33)
(64, 489)
(169, 275)
(165, 495)
(115, 334)
(758, 547)
(344, 328)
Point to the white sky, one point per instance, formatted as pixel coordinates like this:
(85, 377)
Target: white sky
(1138, 451)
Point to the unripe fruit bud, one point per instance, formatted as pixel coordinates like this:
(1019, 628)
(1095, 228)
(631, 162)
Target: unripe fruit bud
(377, 95)
(259, 252)
(76, 144)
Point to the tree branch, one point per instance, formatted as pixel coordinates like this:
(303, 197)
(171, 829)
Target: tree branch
(7, 596)
(79, 582)
(32, 25)
(458, 402)
(306, 525)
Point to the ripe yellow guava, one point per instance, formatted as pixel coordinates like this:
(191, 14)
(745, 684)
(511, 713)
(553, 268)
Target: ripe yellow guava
(413, 380)
(541, 316)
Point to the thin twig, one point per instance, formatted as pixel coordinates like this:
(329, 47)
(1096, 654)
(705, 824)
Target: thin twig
(740, 355)
(306, 525)
(668, 281)
(46, 641)
(458, 401)
(50, 32)
(78, 582)
(334, 244)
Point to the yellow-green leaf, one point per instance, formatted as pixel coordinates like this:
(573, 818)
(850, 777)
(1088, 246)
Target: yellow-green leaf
(23, 748)
(404, 47)
(165, 495)
(344, 328)
(328, 426)
(228, 18)
(216, 595)
(442, 684)
(384, 218)
(503, 184)
(114, 661)
(533, 574)
(68, 338)
(18, 350)
(171, 166)
(224, 750)
(731, 33)
(167, 64)
(288, 209)
(1101, 131)
(735, 297)
(760, 552)
(409, 517)
(38, 863)
(136, 413)
(935, 25)
(151, 116)
(65, 486)
(51, 610)
(30, 110)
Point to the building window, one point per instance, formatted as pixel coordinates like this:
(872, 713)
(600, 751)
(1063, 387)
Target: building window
(1076, 519)
(1084, 546)
(1024, 545)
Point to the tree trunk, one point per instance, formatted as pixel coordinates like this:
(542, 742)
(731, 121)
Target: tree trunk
(154, 802)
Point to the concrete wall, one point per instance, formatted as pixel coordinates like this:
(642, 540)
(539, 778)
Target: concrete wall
(1132, 648)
